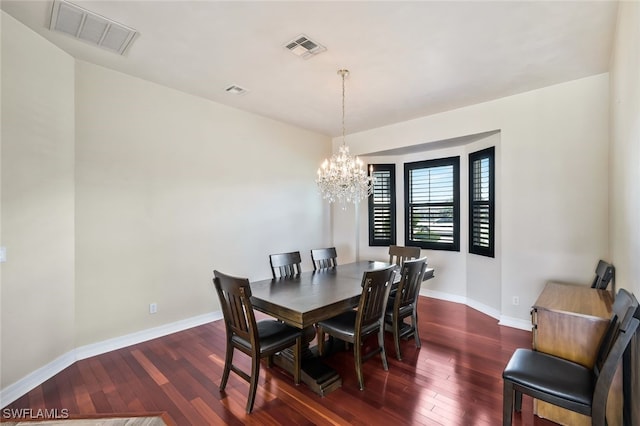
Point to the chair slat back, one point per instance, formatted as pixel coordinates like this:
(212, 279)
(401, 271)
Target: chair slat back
(235, 300)
(398, 254)
(324, 258)
(412, 273)
(604, 274)
(627, 329)
(624, 307)
(285, 265)
(375, 293)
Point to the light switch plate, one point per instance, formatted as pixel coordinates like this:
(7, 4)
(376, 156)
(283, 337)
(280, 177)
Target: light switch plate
(3, 254)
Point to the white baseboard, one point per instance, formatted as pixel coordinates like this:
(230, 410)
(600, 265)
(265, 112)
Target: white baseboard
(35, 378)
(487, 310)
(39, 376)
(515, 322)
(492, 312)
(109, 345)
(443, 296)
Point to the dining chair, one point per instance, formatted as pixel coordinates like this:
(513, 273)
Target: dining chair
(398, 254)
(405, 303)
(604, 274)
(355, 326)
(324, 258)
(568, 384)
(256, 339)
(285, 265)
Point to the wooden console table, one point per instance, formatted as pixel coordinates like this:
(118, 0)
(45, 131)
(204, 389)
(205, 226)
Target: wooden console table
(569, 320)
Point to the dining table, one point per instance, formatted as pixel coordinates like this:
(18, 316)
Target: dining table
(310, 297)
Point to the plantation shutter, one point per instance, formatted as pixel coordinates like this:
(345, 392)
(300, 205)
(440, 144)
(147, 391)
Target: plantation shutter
(382, 206)
(481, 202)
(432, 204)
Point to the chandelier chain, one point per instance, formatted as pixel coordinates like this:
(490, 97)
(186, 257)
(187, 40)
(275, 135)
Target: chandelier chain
(343, 74)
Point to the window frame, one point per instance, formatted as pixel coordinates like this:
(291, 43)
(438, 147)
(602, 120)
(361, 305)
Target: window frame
(490, 154)
(381, 242)
(426, 164)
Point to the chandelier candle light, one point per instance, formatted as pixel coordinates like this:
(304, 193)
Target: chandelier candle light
(342, 178)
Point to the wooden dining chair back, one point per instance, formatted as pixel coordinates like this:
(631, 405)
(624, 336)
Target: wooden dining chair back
(398, 254)
(604, 274)
(568, 384)
(355, 326)
(405, 303)
(624, 302)
(256, 339)
(285, 265)
(324, 258)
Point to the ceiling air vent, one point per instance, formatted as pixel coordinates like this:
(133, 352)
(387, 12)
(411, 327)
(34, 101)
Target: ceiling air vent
(92, 28)
(234, 89)
(304, 47)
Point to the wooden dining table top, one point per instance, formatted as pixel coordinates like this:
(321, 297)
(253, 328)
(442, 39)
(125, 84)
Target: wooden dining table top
(313, 296)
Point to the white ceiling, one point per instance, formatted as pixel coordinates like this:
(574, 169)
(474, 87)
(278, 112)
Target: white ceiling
(407, 59)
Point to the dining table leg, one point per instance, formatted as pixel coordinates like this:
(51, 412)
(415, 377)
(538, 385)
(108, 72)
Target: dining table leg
(321, 378)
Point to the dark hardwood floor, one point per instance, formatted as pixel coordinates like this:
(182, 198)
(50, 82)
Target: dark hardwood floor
(454, 379)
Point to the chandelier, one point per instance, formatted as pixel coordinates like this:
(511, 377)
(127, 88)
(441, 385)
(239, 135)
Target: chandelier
(342, 178)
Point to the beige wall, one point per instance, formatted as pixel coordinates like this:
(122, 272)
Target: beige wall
(624, 194)
(169, 187)
(37, 295)
(554, 178)
(118, 193)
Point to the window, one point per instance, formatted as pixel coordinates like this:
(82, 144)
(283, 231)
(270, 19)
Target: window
(482, 202)
(382, 205)
(432, 204)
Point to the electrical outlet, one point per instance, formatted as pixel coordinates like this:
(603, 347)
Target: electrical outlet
(516, 300)
(153, 308)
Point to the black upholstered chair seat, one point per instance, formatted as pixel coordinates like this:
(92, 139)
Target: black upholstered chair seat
(343, 325)
(403, 311)
(272, 335)
(552, 376)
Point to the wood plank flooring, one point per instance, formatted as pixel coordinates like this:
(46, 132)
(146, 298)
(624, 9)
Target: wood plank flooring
(454, 379)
